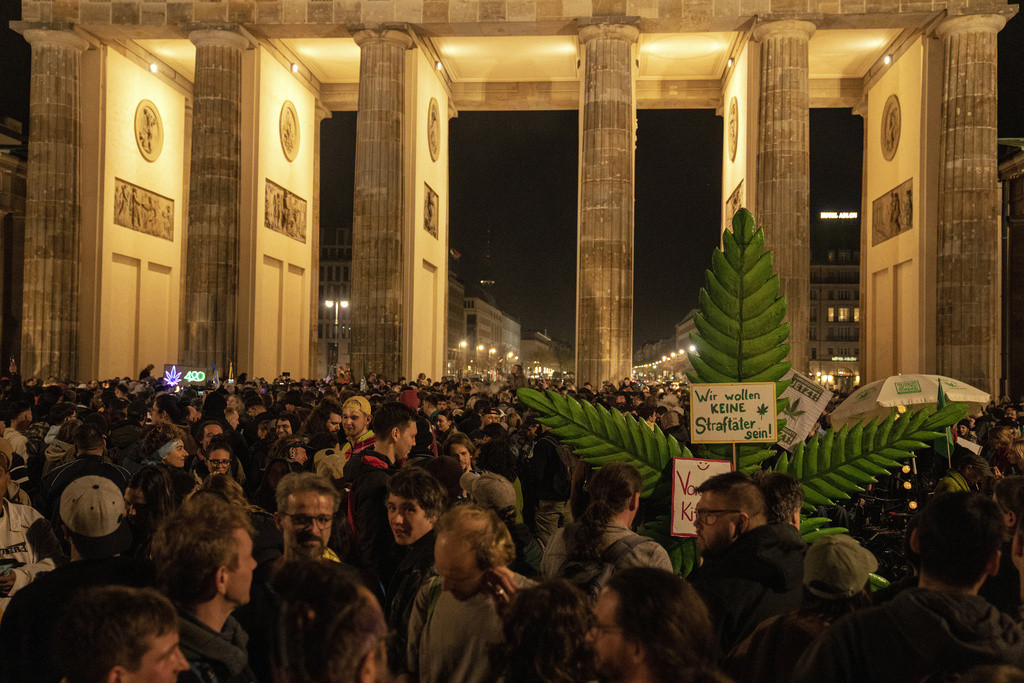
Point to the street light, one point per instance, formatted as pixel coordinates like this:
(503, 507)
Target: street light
(337, 331)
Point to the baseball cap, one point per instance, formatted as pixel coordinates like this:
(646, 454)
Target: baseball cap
(837, 567)
(489, 490)
(358, 403)
(92, 508)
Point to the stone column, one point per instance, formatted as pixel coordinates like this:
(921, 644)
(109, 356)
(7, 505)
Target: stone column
(53, 211)
(315, 369)
(967, 269)
(212, 263)
(378, 221)
(604, 275)
(782, 196)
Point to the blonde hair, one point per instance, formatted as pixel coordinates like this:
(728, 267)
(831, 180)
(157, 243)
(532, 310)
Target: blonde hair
(483, 530)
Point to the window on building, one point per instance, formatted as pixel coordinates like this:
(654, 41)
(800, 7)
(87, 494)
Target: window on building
(844, 315)
(814, 352)
(814, 314)
(831, 314)
(856, 314)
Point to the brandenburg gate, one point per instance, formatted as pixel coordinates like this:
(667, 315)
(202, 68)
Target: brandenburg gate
(174, 166)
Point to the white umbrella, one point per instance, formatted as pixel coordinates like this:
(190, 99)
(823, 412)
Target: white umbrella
(880, 398)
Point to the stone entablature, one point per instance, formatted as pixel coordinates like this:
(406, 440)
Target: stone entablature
(304, 18)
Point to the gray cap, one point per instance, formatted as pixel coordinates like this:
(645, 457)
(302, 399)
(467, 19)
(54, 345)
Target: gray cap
(837, 567)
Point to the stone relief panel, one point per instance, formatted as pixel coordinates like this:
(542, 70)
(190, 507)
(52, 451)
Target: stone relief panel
(289, 130)
(136, 208)
(891, 126)
(734, 203)
(734, 127)
(433, 129)
(284, 212)
(892, 213)
(431, 207)
(149, 130)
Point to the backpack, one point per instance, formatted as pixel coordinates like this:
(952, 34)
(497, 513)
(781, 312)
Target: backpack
(590, 576)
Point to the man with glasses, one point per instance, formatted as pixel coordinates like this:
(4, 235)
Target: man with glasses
(306, 504)
(751, 570)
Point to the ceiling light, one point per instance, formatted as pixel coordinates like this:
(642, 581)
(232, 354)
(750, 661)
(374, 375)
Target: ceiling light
(730, 62)
(888, 60)
(437, 64)
(153, 67)
(295, 68)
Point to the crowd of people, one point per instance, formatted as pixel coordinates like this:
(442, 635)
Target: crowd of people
(430, 531)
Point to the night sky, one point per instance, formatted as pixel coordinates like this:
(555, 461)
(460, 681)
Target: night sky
(513, 191)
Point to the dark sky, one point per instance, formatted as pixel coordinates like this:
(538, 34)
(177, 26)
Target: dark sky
(513, 180)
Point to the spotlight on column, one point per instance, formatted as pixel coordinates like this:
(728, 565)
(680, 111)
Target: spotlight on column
(295, 68)
(888, 60)
(153, 68)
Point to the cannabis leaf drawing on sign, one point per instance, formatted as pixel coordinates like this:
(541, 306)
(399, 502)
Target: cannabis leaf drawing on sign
(792, 409)
(762, 410)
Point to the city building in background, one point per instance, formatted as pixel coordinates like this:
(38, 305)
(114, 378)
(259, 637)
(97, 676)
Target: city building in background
(668, 358)
(334, 326)
(542, 356)
(492, 336)
(834, 330)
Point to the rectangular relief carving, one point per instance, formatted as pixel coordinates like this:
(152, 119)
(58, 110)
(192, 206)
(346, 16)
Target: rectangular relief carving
(285, 212)
(136, 208)
(892, 213)
(430, 208)
(734, 203)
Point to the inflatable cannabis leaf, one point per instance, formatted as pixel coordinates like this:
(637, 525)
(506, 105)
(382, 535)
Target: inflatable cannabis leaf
(740, 335)
(838, 464)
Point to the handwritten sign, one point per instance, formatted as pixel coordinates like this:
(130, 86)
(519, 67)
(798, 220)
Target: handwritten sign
(687, 475)
(807, 401)
(732, 413)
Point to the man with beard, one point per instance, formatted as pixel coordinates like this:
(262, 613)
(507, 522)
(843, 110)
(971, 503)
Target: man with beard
(306, 504)
(751, 569)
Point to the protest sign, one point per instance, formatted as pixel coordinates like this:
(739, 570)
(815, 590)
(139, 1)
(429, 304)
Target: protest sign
(807, 401)
(687, 475)
(732, 413)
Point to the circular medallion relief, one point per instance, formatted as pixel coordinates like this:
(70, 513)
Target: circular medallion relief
(734, 127)
(433, 129)
(149, 130)
(891, 127)
(289, 128)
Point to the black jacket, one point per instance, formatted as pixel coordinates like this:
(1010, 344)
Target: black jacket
(368, 474)
(919, 633)
(759, 576)
(415, 567)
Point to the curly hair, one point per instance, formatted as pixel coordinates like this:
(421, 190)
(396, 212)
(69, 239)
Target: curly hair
(316, 423)
(483, 530)
(545, 630)
(611, 489)
(159, 435)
